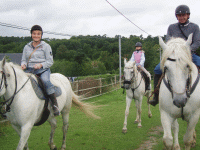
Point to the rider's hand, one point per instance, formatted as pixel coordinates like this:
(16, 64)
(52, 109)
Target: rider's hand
(23, 67)
(37, 66)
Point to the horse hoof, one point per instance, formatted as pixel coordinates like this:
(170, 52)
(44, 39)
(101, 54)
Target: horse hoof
(150, 115)
(124, 130)
(135, 121)
(176, 147)
(193, 144)
(55, 148)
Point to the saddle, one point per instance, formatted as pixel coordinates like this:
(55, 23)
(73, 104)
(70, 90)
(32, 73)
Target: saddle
(145, 77)
(39, 88)
(41, 93)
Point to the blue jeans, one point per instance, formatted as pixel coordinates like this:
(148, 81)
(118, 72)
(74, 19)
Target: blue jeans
(45, 77)
(195, 59)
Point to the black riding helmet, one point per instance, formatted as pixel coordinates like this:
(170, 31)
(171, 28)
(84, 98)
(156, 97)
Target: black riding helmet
(182, 9)
(138, 44)
(36, 27)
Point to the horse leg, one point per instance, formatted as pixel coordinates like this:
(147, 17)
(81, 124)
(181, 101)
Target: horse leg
(128, 103)
(53, 123)
(139, 111)
(189, 135)
(149, 110)
(166, 121)
(65, 116)
(175, 127)
(24, 135)
(137, 114)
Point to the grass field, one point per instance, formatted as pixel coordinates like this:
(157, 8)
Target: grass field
(87, 134)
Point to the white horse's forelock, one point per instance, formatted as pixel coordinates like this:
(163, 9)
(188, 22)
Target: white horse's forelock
(180, 51)
(129, 64)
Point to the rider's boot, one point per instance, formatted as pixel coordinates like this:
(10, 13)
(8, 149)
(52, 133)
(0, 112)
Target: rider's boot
(154, 102)
(148, 83)
(54, 104)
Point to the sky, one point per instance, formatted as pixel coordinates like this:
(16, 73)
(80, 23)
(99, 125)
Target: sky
(93, 17)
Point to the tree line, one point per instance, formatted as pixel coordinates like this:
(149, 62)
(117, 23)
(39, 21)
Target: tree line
(89, 55)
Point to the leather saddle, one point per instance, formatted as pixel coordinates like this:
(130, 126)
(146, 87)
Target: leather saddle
(41, 93)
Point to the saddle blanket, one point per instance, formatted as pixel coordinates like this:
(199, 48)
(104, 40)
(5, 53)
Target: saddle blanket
(40, 93)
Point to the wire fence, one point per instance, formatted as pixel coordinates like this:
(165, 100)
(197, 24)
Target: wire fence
(89, 87)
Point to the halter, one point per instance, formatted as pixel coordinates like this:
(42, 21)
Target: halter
(188, 89)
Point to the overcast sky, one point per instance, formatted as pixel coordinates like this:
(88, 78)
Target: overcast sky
(93, 17)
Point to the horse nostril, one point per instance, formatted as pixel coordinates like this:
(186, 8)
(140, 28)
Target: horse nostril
(176, 104)
(179, 104)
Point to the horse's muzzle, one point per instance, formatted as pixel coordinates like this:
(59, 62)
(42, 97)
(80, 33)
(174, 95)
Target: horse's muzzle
(127, 84)
(180, 102)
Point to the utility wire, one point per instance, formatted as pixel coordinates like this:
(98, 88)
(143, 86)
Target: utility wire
(47, 32)
(127, 18)
(24, 28)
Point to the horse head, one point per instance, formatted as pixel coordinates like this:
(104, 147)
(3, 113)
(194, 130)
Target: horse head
(3, 77)
(177, 65)
(129, 73)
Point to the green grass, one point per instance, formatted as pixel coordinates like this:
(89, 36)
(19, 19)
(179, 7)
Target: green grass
(106, 133)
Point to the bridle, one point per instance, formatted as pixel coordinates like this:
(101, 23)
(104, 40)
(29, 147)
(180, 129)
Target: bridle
(8, 102)
(188, 89)
(3, 78)
(131, 81)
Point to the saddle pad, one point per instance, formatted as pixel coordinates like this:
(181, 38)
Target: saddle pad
(39, 92)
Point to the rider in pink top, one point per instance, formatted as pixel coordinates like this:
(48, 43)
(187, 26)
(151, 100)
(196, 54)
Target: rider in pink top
(139, 57)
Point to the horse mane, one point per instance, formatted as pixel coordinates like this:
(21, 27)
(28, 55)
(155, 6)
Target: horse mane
(16, 66)
(181, 52)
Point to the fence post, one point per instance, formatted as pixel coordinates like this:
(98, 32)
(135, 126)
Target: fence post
(77, 86)
(100, 85)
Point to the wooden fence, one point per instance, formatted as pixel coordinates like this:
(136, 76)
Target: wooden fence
(90, 87)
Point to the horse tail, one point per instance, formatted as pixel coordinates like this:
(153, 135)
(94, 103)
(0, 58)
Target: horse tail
(84, 107)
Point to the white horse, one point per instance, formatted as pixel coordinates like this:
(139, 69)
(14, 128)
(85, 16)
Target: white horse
(26, 107)
(179, 92)
(135, 88)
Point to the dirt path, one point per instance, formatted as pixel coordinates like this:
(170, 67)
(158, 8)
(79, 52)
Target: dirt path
(152, 140)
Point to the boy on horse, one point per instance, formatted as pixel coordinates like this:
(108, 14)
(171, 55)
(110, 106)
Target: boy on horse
(37, 58)
(139, 57)
(181, 29)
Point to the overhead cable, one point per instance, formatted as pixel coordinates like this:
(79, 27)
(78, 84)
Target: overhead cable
(127, 18)
(24, 28)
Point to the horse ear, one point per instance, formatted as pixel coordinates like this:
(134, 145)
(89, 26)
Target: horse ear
(124, 60)
(162, 43)
(189, 40)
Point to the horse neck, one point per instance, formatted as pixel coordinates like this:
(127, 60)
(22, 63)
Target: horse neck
(11, 80)
(137, 75)
(194, 72)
